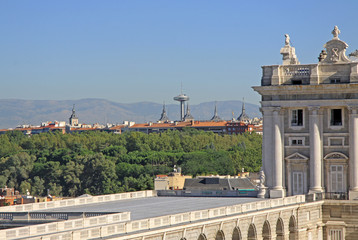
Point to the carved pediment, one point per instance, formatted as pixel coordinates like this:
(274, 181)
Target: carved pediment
(296, 156)
(335, 156)
(336, 52)
(335, 49)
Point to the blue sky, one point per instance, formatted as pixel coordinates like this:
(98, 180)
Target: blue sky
(132, 51)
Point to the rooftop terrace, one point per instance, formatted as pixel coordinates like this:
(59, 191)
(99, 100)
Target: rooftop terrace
(143, 208)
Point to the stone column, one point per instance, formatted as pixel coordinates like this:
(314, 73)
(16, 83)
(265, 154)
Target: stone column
(277, 190)
(267, 146)
(315, 151)
(353, 152)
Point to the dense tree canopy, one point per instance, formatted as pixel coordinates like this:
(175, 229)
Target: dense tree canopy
(103, 163)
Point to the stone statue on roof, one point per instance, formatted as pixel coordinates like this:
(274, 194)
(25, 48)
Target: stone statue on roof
(287, 40)
(336, 32)
(288, 53)
(354, 54)
(262, 177)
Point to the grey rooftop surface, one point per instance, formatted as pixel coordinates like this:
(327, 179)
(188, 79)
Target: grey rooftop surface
(143, 208)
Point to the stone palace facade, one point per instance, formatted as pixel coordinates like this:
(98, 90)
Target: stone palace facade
(310, 114)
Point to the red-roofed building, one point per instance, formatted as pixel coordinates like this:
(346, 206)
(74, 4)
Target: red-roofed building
(116, 129)
(217, 127)
(234, 127)
(221, 127)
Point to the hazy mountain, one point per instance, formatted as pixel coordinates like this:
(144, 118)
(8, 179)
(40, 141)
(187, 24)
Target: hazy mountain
(14, 112)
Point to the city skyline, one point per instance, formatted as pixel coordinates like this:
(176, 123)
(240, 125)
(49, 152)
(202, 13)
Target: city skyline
(90, 111)
(143, 51)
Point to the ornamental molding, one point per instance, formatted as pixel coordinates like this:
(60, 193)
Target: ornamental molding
(303, 104)
(315, 110)
(353, 109)
(335, 156)
(296, 156)
(336, 49)
(307, 89)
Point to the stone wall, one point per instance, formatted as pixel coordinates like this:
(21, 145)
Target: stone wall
(291, 222)
(341, 215)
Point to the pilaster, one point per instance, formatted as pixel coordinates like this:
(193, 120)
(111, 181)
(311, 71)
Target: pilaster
(275, 78)
(314, 76)
(353, 78)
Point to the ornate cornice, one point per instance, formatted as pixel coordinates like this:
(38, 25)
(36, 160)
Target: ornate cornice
(307, 89)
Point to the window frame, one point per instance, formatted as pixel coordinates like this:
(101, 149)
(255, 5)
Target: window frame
(335, 81)
(291, 116)
(335, 234)
(297, 180)
(334, 174)
(291, 139)
(335, 127)
(296, 82)
(330, 139)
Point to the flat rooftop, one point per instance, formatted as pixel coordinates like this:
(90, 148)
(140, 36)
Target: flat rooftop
(143, 208)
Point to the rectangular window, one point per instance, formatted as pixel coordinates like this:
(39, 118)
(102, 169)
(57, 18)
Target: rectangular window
(297, 183)
(336, 141)
(297, 117)
(335, 80)
(336, 234)
(297, 142)
(296, 82)
(337, 178)
(336, 117)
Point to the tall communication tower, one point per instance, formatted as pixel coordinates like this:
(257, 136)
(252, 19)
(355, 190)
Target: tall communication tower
(181, 98)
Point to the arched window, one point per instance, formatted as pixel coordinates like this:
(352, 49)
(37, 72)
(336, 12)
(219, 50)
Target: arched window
(202, 237)
(293, 228)
(279, 229)
(220, 235)
(251, 235)
(266, 231)
(236, 235)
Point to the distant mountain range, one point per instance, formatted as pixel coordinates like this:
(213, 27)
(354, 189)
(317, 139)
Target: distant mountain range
(14, 112)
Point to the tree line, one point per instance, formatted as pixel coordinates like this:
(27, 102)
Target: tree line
(104, 163)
